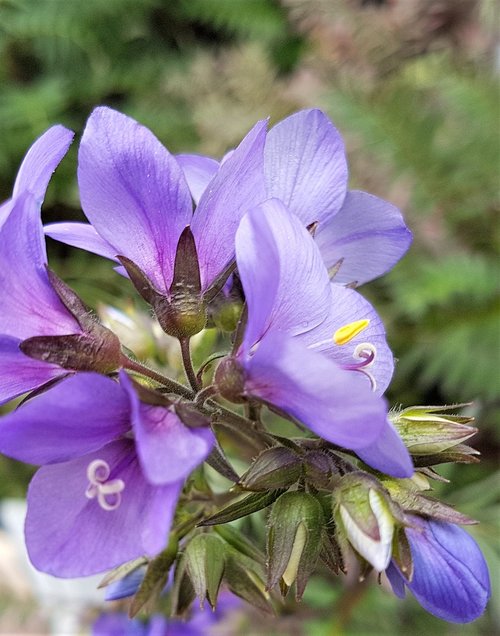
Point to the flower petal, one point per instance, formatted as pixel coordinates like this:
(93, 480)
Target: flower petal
(199, 171)
(70, 535)
(41, 160)
(29, 305)
(388, 454)
(333, 403)
(83, 236)
(19, 373)
(285, 281)
(348, 307)
(368, 234)
(237, 187)
(75, 417)
(450, 577)
(133, 192)
(168, 450)
(305, 165)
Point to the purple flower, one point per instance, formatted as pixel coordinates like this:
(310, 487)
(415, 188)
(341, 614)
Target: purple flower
(311, 349)
(135, 195)
(306, 168)
(450, 576)
(113, 466)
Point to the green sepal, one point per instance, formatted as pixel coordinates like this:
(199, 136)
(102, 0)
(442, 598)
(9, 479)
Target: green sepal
(250, 504)
(155, 578)
(205, 563)
(276, 467)
(295, 526)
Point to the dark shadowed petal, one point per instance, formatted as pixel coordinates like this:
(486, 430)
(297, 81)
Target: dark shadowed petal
(388, 454)
(368, 233)
(19, 373)
(199, 171)
(133, 192)
(306, 166)
(28, 304)
(285, 281)
(333, 403)
(41, 160)
(77, 416)
(237, 187)
(168, 450)
(450, 577)
(396, 580)
(81, 235)
(69, 534)
(353, 322)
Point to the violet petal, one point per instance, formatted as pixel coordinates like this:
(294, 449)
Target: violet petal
(237, 186)
(305, 165)
(368, 233)
(77, 416)
(70, 535)
(133, 192)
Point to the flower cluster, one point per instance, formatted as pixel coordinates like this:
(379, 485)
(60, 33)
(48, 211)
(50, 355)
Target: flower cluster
(266, 247)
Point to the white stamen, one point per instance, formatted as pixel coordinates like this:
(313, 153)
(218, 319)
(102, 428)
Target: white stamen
(107, 493)
(364, 351)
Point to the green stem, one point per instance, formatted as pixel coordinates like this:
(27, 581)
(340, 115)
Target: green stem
(188, 364)
(171, 385)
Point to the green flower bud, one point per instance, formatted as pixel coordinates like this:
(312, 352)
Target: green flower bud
(364, 518)
(205, 562)
(295, 530)
(427, 430)
(276, 467)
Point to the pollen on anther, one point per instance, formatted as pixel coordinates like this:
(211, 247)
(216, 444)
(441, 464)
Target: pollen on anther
(345, 334)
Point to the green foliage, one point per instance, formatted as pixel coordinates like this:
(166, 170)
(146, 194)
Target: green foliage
(434, 124)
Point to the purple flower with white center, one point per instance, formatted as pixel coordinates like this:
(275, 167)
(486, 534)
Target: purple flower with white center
(306, 168)
(450, 576)
(135, 195)
(112, 470)
(291, 309)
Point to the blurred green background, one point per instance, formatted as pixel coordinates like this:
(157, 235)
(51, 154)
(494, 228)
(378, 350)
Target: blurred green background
(413, 87)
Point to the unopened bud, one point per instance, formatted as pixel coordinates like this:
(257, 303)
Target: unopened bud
(364, 518)
(205, 558)
(295, 525)
(428, 430)
(230, 379)
(276, 467)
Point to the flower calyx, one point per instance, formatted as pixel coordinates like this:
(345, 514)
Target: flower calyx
(364, 518)
(294, 540)
(182, 311)
(230, 380)
(96, 348)
(430, 430)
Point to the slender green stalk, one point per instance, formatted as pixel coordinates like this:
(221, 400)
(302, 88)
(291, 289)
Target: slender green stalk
(188, 364)
(172, 385)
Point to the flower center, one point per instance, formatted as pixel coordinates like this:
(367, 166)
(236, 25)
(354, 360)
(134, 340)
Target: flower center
(106, 491)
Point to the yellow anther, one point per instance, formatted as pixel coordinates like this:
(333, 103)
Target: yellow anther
(346, 333)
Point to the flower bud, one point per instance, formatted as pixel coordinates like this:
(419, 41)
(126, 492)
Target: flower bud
(276, 467)
(427, 430)
(230, 379)
(205, 557)
(295, 529)
(364, 518)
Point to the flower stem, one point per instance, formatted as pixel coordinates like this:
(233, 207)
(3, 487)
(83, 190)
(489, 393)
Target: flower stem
(188, 364)
(171, 385)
